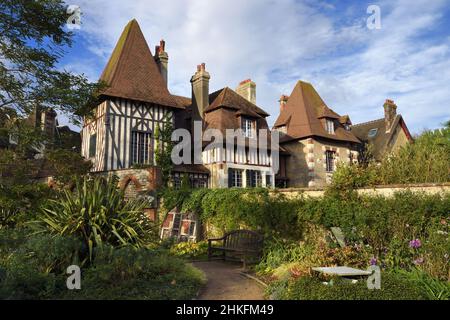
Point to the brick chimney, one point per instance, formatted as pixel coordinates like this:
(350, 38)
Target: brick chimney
(200, 92)
(390, 112)
(247, 89)
(283, 100)
(162, 59)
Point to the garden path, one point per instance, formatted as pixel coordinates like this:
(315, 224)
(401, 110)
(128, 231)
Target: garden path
(225, 282)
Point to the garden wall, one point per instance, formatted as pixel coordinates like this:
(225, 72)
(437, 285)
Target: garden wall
(387, 191)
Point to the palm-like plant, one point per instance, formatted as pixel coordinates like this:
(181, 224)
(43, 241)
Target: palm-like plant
(97, 213)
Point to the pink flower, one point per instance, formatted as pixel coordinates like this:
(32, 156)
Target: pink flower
(418, 261)
(416, 243)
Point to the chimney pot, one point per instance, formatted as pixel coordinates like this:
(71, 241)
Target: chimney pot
(200, 92)
(162, 60)
(390, 112)
(283, 100)
(247, 89)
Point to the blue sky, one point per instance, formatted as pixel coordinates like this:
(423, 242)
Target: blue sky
(276, 43)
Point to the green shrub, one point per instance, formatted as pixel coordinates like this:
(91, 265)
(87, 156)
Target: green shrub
(311, 288)
(190, 249)
(426, 160)
(374, 226)
(34, 265)
(97, 213)
(18, 202)
(129, 273)
(234, 208)
(432, 288)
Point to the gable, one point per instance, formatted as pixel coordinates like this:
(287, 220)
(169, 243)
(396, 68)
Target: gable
(132, 73)
(382, 141)
(303, 113)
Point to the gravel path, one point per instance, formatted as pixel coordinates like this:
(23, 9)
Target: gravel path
(226, 283)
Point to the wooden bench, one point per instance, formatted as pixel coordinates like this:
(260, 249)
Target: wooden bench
(237, 245)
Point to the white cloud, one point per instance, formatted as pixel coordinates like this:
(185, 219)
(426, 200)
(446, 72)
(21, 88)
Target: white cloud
(278, 42)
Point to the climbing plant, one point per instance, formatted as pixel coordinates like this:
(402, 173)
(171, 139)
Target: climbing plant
(163, 149)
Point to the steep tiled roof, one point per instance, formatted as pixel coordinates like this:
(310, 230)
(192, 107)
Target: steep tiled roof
(228, 98)
(184, 102)
(345, 119)
(132, 72)
(380, 138)
(302, 112)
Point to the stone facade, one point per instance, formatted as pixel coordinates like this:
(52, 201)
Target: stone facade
(306, 166)
(140, 183)
(398, 140)
(386, 191)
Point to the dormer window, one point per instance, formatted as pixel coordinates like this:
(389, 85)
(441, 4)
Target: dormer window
(282, 129)
(372, 133)
(248, 127)
(329, 126)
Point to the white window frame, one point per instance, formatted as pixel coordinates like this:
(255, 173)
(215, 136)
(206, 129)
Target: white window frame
(248, 127)
(141, 150)
(329, 126)
(236, 178)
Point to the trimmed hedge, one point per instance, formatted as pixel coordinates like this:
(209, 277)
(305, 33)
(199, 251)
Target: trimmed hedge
(393, 287)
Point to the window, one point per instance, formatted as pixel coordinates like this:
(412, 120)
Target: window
(268, 180)
(192, 229)
(372, 133)
(140, 147)
(329, 126)
(92, 145)
(177, 183)
(176, 225)
(282, 129)
(248, 127)
(234, 178)
(254, 178)
(329, 155)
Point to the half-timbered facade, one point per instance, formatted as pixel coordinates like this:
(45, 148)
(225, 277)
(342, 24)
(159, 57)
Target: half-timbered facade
(123, 134)
(135, 103)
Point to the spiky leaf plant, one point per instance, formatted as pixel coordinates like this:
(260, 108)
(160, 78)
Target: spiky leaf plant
(97, 213)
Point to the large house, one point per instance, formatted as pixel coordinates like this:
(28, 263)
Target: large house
(120, 138)
(136, 102)
(383, 135)
(315, 136)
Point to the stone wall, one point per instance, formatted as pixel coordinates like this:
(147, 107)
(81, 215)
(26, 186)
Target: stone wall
(306, 166)
(140, 183)
(378, 190)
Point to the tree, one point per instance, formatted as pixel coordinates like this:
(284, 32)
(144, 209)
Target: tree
(32, 40)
